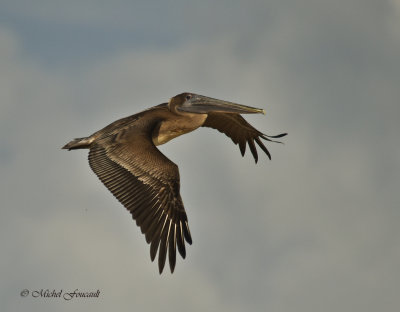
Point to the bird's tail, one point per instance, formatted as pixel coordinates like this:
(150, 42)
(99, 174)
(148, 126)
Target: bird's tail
(78, 143)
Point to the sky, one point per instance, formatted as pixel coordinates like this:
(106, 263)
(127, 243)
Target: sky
(315, 229)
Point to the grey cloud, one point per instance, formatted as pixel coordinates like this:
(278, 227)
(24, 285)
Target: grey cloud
(315, 229)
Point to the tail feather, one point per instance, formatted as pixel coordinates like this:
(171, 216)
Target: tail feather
(78, 144)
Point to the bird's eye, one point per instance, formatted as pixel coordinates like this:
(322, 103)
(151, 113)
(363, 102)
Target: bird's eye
(188, 97)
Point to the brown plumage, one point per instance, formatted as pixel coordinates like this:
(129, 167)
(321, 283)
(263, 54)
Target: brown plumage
(125, 158)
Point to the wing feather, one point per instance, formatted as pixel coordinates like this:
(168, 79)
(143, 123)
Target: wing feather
(240, 131)
(147, 184)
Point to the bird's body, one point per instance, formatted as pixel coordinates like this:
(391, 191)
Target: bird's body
(125, 158)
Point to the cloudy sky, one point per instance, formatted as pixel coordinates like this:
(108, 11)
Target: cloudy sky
(315, 229)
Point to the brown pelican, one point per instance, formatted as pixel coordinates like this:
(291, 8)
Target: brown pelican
(125, 158)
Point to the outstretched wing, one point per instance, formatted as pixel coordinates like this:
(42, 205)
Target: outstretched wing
(147, 184)
(240, 131)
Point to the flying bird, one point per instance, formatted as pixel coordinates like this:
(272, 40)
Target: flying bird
(125, 158)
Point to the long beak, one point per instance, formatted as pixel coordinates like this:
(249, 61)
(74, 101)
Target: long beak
(202, 105)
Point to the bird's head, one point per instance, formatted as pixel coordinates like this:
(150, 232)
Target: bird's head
(199, 104)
